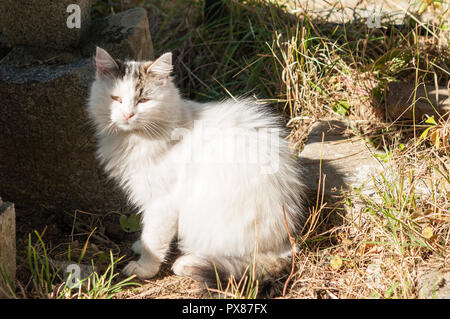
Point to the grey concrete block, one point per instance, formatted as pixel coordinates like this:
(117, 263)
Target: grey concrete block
(43, 23)
(342, 162)
(343, 157)
(428, 99)
(433, 283)
(47, 146)
(124, 35)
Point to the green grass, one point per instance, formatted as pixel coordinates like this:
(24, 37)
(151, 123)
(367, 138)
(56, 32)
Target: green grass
(247, 287)
(49, 281)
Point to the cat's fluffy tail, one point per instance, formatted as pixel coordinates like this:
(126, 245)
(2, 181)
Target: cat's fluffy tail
(215, 272)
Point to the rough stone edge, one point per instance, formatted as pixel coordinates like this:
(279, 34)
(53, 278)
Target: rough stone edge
(8, 208)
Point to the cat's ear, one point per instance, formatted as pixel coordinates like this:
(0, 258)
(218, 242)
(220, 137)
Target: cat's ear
(106, 66)
(162, 66)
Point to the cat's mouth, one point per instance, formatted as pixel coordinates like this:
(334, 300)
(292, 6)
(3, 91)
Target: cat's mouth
(126, 126)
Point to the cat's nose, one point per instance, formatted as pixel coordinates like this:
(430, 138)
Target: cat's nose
(128, 116)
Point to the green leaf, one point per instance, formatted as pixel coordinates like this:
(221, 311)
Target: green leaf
(348, 202)
(424, 134)
(341, 107)
(130, 224)
(431, 120)
(423, 7)
(444, 26)
(375, 294)
(385, 157)
(388, 294)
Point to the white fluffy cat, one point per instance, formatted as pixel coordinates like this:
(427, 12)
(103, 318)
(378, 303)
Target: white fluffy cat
(215, 176)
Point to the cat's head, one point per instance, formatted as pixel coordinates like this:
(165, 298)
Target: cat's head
(131, 95)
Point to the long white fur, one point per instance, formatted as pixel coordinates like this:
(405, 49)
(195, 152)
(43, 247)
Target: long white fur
(217, 208)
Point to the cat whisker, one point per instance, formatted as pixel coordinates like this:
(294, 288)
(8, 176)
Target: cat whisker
(156, 129)
(110, 129)
(148, 129)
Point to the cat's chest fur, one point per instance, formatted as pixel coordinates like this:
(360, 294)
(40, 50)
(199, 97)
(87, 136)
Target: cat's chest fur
(140, 165)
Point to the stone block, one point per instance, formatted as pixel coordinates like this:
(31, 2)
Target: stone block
(429, 99)
(433, 283)
(343, 157)
(47, 155)
(124, 35)
(48, 147)
(43, 23)
(7, 244)
(343, 162)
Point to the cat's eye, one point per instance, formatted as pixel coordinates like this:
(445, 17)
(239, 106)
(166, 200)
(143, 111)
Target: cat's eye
(116, 98)
(143, 100)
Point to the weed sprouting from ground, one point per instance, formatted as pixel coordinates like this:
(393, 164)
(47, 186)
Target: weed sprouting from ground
(64, 279)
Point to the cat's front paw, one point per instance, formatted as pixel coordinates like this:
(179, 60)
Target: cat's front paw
(145, 271)
(137, 247)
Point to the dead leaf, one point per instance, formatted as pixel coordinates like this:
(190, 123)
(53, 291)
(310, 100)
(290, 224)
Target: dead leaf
(369, 248)
(427, 232)
(336, 263)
